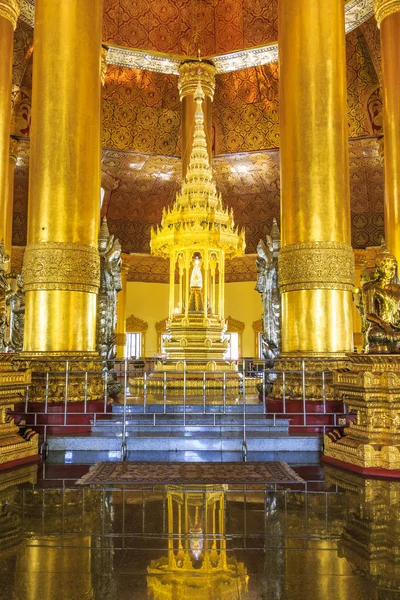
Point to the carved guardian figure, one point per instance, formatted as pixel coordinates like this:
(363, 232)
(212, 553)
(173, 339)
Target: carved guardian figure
(110, 285)
(267, 286)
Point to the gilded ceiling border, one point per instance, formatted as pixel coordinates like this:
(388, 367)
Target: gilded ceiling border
(356, 13)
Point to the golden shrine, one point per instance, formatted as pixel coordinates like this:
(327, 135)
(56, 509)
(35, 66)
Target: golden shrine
(197, 564)
(197, 234)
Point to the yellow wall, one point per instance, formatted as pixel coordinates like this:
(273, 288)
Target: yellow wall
(149, 302)
(243, 303)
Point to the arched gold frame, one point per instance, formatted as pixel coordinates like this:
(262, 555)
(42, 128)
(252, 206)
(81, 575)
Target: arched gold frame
(235, 326)
(136, 325)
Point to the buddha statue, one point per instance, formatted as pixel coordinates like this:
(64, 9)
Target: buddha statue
(379, 305)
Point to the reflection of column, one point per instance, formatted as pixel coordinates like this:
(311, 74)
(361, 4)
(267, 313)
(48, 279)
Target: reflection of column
(316, 261)
(189, 75)
(10, 203)
(47, 571)
(9, 11)
(187, 279)
(120, 338)
(172, 264)
(61, 262)
(387, 13)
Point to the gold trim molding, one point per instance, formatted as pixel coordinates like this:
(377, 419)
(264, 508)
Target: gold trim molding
(136, 325)
(190, 73)
(356, 13)
(315, 266)
(61, 266)
(10, 10)
(385, 8)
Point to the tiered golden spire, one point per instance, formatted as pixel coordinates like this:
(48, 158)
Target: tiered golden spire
(198, 217)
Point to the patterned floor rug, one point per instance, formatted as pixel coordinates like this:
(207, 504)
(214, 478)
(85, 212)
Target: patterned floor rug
(189, 472)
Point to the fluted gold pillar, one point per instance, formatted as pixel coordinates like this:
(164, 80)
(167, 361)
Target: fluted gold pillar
(316, 259)
(9, 11)
(120, 339)
(387, 13)
(189, 75)
(13, 156)
(61, 262)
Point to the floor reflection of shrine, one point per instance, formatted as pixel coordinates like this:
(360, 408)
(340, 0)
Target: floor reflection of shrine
(326, 539)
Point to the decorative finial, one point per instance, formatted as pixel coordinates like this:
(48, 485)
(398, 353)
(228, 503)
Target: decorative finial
(199, 94)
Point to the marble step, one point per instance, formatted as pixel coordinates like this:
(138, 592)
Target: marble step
(194, 425)
(195, 442)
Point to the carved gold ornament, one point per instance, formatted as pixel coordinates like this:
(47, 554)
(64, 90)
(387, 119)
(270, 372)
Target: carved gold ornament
(61, 266)
(190, 73)
(385, 8)
(13, 150)
(316, 266)
(10, 9)
(103, 65)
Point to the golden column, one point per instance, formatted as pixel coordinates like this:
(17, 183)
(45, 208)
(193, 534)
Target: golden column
(13, 156)
(9, 11)
(316, 263)
(61, 263)
(190, 73)
(120, 338)
(387, 13)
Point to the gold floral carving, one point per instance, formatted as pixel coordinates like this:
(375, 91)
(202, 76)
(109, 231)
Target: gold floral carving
(161, 326)
(316, 265)
(13, 150)
(385, 8)
(189, 75)
(234, 325)
(61, 266)
(103, 65)
(28, 11)
(257, 326)
(134, 324)
(10, 9)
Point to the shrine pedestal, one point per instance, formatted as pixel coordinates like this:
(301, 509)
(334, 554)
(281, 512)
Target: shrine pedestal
(14, 448)
(370, 385)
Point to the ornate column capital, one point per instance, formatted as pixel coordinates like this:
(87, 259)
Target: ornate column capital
(189, 74)
(316, 266)
(385, 8)
(10, 9)
(13, 150)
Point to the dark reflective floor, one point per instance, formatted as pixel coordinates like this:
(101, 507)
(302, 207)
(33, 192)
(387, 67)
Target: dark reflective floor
(334, 537)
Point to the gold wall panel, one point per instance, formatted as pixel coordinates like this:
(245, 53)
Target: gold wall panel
(249, 182)
(363, 94)
(141, 111)
(183, 26)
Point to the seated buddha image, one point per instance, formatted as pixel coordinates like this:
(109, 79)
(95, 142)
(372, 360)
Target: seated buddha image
(380, 306)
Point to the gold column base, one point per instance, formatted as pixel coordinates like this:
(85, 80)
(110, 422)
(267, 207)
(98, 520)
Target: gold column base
(316, 387)
(14, 447)
(370, 385)
(49, 376)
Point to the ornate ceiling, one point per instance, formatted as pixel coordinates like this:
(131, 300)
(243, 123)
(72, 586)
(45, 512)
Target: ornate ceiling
(142, 120)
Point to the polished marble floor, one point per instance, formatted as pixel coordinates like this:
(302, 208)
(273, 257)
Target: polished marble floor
(334, 537)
